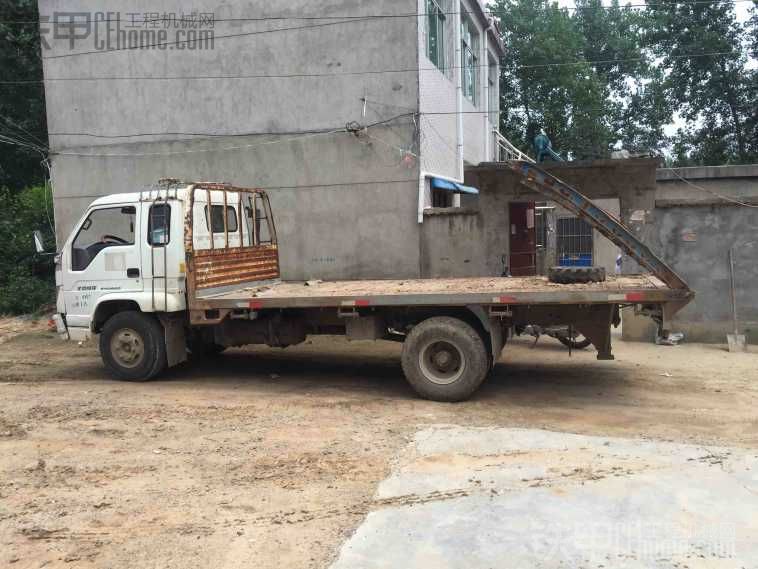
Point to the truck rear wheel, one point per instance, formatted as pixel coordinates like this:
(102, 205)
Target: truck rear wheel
(132, 346)
(445, 359)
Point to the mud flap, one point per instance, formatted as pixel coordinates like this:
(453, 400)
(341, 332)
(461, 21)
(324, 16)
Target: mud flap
(595, 323)
(176, 342)
(497, 339)
(494, 328)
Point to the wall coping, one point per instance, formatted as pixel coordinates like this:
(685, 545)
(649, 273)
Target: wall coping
(707, 172)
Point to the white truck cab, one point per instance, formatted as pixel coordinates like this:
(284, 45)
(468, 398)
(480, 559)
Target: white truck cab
(122, 273)
(126, 249)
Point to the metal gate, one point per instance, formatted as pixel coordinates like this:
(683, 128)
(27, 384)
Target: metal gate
(574, 242)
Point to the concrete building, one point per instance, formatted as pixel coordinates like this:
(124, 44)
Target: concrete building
(359, 118)
(691, 217)
(346, 112)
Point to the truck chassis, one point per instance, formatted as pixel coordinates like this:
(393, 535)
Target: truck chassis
(228, 293)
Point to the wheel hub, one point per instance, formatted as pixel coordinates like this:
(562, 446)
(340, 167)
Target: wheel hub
(442, 362)
(127, 348)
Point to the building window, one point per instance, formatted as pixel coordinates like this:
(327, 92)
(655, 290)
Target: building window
(435, 37)
(442, 198)
(469, 58)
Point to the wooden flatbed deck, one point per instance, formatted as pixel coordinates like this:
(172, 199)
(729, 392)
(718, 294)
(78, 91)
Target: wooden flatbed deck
(442, 292)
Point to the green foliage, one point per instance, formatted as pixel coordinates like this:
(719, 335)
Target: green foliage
(562, 74)
(717, 93)
(26, 278)
(599, 77)
(22, 107)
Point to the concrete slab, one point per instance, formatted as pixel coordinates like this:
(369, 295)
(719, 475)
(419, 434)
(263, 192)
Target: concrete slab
(484, 498)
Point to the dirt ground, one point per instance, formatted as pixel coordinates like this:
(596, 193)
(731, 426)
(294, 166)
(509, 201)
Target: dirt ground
(271, 458)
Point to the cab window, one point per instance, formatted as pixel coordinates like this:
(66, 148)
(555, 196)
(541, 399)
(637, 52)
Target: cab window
(159, 225)
(103, 228)
(257, 222)
(217, 218)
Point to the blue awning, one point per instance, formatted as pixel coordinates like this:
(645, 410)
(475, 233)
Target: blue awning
(440, 184)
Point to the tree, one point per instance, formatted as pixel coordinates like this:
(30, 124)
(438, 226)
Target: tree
(537, 96)
(585, 77)
(702, 48)
(26, 279)
(22, 107)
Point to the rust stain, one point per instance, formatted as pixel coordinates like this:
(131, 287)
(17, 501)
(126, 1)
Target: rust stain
(235, 266)
(225, 266)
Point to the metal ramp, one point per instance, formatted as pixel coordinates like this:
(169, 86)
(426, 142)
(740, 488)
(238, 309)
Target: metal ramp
(560, 192)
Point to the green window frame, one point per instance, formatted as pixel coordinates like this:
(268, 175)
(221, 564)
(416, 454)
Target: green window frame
(469, 58)
(435, 34)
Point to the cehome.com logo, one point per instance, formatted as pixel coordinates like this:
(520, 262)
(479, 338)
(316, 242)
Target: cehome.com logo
(111, 31)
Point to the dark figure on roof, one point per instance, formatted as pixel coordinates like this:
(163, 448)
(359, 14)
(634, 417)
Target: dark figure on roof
(543, 149)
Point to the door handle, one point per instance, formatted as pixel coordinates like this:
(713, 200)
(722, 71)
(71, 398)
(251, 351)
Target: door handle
(132, 273)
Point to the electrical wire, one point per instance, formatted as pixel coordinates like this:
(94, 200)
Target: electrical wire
(227, 36)
(226, 135)
(21, 131)
(195, 40)
(702, 189)
(15, 141)
(49, 184)
(346, 73)
(390, 16)
(297, 187)
(199, 134)
(346, 129)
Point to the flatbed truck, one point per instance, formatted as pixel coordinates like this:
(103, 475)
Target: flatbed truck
(188, 269)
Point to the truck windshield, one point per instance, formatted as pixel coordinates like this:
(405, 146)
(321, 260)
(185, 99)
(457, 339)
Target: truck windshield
(103, 228)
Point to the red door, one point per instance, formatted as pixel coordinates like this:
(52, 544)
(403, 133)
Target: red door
(523, 239)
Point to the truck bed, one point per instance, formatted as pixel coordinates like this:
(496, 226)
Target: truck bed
(442, 292)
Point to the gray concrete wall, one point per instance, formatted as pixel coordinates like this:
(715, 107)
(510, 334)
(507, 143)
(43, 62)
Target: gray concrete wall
(694, 228)
(695, 240)
(327, 230)
(471, 242)
(628, 186)
(339, 199)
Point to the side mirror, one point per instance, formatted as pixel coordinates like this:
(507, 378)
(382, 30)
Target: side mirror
(39, 243)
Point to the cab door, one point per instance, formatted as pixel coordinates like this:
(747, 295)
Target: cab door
(162, 249)
(102, 258)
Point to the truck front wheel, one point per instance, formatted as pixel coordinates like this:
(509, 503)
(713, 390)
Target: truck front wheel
(445, 359)
(132, 346)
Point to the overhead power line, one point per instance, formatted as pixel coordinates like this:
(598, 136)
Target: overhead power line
(340, 73)
(349, 18)
(195, 40)
(275, 30)
(706, 190)
(350, 128)
(298, 187)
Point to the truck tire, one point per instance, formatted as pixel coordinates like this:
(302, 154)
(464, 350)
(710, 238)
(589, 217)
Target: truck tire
(576, 275)
(133, 347)
(445, 359)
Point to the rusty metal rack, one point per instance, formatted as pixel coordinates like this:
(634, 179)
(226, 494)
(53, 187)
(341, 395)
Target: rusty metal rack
(223, 266)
